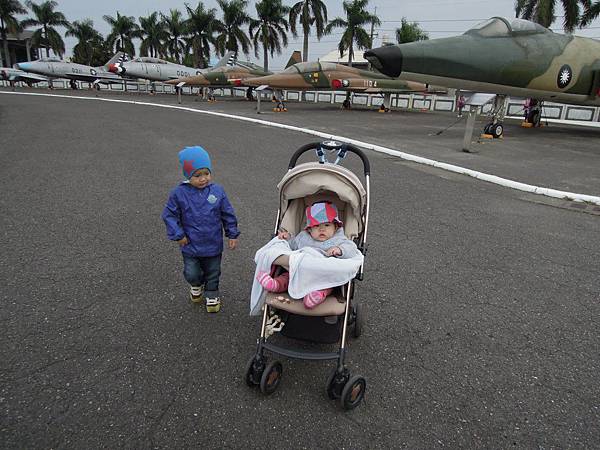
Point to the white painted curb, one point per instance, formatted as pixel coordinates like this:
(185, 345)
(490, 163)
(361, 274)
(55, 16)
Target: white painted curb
(377, 148)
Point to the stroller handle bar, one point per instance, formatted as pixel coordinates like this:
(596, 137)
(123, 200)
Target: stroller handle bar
(332, 145)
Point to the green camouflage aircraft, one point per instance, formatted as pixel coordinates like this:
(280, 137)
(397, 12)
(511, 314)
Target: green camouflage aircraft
(512, 57)
(323, 76)
(226, 76)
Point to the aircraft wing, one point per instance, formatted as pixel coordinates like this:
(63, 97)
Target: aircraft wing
(19, 75)
(100, 77)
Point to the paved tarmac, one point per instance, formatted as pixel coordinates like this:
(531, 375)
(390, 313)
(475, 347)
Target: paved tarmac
(483, 302)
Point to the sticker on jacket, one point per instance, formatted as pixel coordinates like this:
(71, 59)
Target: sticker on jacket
(212, 199)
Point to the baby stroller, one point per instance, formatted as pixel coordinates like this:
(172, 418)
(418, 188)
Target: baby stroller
(331, 321)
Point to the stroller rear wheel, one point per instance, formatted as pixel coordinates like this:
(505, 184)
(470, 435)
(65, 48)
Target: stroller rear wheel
(359, 320)
(353, 392)
(254, 371)
(271, 377)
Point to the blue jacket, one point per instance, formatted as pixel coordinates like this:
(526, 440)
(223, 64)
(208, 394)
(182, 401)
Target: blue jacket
(201, 215)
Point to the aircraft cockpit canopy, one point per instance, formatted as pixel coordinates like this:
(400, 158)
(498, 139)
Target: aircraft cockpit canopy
(50, 59)
(303, 67)
(149, 60)
(501, 27)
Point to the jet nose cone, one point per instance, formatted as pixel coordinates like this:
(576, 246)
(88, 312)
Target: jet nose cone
(388, 60)
(21, 66)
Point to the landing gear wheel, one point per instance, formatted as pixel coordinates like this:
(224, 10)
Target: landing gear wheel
(73, 84)
(254, 371)
(336, 383)
(486, 129)
(271, 377)
(496, 129)
(359, 320)
(353, 392)
(346, 104)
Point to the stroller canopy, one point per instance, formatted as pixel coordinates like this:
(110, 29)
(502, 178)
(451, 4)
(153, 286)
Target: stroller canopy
(312, 182)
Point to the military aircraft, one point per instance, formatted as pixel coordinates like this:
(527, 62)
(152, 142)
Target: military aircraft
(324, 76)
(223, 77)
(14, 75)
(505, 57)
(56, 68)
(155, 69)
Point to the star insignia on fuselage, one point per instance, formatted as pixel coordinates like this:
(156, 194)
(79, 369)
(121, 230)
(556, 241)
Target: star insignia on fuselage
(565, 75)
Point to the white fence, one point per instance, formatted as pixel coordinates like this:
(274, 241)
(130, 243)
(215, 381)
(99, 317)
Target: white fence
(398, 101)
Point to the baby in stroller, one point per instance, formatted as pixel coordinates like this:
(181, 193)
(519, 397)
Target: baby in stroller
(323, 231)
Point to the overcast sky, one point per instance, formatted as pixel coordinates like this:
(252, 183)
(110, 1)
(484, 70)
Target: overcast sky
(440, 18)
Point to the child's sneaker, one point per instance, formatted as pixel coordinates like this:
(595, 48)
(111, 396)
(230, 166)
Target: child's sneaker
(213, 305)
(197, 294)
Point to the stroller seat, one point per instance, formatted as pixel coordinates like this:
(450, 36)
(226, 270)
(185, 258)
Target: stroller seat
(334, 304)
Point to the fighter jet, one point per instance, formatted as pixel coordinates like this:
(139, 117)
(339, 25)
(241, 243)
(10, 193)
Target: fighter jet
(323, 76)
(14, 75)
(155, 69)
(501, 56)
(56, 68)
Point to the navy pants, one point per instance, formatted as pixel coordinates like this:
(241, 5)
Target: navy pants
(203, 270)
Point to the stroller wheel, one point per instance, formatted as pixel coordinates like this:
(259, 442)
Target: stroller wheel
(353, 392)
(271, 377)
(254, 371)
(359, 320)
(335, 383)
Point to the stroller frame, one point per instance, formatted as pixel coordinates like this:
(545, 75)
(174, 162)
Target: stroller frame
(349, 390)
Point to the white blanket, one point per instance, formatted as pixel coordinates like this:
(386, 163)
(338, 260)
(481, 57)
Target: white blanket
(310, 270)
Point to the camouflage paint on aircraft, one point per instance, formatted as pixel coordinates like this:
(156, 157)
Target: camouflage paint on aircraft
(501, 56)
(331, 76)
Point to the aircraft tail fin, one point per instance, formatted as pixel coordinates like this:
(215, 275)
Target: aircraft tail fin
(119, 57)
(228, 59)
(295, 58)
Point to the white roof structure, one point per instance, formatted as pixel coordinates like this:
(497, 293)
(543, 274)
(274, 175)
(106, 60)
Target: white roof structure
(334, 57)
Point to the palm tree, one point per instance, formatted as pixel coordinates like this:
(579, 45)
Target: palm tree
(175, 27)
(591, 13)
(270, 28)
(410, 32)
(543, 12)
(200, 27)
(356, 17)
(124, 29)
(47, 18)
(308, 13)
(87, 38)
(9, 24)
(153, 33)
(231, 36)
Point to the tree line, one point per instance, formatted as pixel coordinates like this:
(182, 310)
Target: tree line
(190, 36)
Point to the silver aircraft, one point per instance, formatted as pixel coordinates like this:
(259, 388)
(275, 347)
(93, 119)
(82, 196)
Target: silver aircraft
(14, 75)
(155, 69)
(53, 68)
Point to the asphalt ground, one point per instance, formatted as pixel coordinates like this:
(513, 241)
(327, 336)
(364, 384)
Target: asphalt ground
(483, 302)
(557, 156)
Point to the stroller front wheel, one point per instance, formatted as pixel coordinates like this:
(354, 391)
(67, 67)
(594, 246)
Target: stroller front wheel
(254, 371)
(271, 377)
(336, 382)
(353, 392)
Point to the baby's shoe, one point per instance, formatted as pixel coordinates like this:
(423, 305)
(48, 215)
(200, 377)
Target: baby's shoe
(315, 298)
(213, 304)
(197, 294)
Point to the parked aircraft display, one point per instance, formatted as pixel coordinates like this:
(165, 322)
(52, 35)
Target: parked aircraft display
(56, 68)
(233, 76)
(501, 56)
(15, 75)
(155, 69)
(324, 76)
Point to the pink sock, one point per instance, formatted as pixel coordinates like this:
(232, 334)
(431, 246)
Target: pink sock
(277, 284)
(315, 298)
